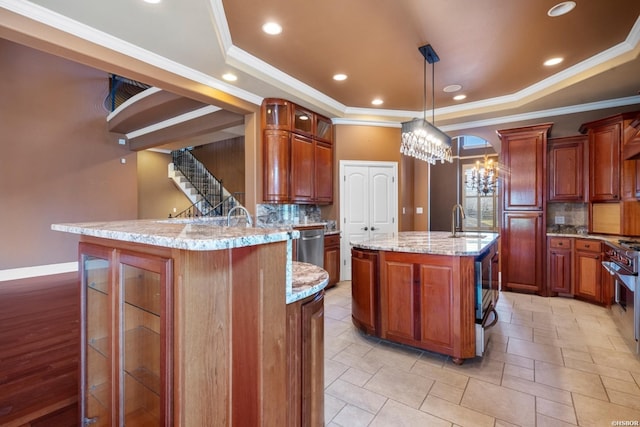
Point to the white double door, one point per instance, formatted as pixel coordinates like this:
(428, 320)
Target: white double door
(368, 205)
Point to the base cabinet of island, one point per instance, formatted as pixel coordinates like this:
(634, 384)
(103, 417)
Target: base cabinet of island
(173, 337)
(305, 341)
(423, 300)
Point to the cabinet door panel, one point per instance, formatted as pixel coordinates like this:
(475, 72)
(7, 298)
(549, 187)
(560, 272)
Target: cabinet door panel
(588, 276)
(522, 239)
(566, 170)
(323, 173)
(364, 292)
(276, 166)
(524, 163)
(560, 270)
(436, 304)
(604, 163)
(302, 167)
(399, 305)
(313, 362)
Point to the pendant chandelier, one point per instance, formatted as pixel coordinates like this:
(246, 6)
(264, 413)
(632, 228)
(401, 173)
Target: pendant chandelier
(421, 139)
(483, 177)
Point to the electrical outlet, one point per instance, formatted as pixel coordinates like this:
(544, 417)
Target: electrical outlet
(419, 210)
(559, 220)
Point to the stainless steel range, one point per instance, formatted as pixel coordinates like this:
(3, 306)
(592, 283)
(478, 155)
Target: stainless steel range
(622, 260)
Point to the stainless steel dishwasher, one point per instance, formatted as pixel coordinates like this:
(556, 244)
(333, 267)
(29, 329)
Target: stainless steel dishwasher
(311, 246)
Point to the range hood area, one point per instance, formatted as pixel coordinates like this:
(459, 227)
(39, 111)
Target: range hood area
(631, 138)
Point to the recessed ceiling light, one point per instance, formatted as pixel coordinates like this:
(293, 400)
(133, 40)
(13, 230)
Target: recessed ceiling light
(339, 77)
(152, 1)
(553, 61)
(459, 97)
(377, 101)
(561, 8)
(230, 77)
(272, 28)
(452, 88)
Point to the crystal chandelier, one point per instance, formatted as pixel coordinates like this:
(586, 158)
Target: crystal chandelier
(421, 139)
(483, 177)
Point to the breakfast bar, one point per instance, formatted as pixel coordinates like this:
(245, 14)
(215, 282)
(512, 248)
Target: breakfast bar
(426, 289)
(190, 322)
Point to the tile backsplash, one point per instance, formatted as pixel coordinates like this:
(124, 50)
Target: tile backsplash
(275, 215)
(575, 216)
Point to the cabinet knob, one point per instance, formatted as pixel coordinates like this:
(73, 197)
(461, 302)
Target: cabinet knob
(560, 244)
(587, 246)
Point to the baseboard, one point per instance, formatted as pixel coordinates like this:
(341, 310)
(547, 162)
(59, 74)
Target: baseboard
(37, 271)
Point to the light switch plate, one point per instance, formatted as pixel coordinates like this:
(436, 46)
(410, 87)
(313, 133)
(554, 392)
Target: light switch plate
(419, 210)
(559, 220)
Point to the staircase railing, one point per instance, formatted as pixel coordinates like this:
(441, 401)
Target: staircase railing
(221, 209)
(213, 199)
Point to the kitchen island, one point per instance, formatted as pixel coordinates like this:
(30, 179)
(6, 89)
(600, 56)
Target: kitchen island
(420, 289)
(187, 322)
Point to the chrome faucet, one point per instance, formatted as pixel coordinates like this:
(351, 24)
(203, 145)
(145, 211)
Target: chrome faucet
(246, 212)
(453, 218)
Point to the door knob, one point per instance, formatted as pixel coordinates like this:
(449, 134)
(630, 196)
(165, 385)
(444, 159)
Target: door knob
(366, 228)
(373, 228)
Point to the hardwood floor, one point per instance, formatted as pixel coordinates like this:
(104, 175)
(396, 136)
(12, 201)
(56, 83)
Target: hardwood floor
(39, 351)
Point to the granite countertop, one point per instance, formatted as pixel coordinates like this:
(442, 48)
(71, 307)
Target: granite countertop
(195, 234)
(432, 242)
(308, 279)
(601, 237)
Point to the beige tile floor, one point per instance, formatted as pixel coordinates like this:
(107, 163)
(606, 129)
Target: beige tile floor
(550, 362)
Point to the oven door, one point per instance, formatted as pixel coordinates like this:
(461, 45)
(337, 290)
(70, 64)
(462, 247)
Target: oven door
(627, 302)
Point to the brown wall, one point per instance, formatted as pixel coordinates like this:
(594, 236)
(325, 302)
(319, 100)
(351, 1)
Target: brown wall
(225, 159)
(58, 162)
(374, 143)
(158, 196)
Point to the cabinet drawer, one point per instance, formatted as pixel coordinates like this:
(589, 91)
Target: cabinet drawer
(332, 240)
(587, 245)
(560, 242)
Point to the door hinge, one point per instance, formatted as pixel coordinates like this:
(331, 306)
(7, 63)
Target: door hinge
(393, 220)
(345, 178)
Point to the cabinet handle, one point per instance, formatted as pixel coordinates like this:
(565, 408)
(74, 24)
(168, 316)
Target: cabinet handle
(560, 244)
(587, 246)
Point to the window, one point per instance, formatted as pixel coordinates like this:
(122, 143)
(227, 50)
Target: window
(480, 209)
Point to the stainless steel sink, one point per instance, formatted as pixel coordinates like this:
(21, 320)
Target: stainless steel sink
(469, 235)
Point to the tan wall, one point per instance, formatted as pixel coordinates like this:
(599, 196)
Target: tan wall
(58, 162)
(158, 196)
(374, 143)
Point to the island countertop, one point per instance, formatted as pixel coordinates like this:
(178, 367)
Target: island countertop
(308, 279)
(200, 234)
(432, 242)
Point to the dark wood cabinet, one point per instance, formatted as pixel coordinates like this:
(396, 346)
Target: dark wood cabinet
(566, 165)
(523, 176)
(127, 337)
(332, 258)
(305, 343)
(522, 253)
(589, 270)
(364, 290)
(297, 154)
(523, 156)
(302, 163)
(276, 158)
(559, 264)
(604, 161)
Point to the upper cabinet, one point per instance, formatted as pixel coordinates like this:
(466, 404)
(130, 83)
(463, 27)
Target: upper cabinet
(297, 154)
(604, 159)
(523, 156)
(566, 166)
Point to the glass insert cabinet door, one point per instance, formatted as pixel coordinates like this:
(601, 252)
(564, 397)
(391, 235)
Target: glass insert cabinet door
(134, 318)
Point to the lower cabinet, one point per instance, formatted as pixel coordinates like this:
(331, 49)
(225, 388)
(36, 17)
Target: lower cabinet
(126, 341)
(305, 342)
(364, 290)
(589, 270)
(332, 258)
(522, 252)
(559, 264)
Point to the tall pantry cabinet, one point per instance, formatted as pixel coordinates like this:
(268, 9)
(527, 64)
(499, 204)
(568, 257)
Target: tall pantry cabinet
(522, 231)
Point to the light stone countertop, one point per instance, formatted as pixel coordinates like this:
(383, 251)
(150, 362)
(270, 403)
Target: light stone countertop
(432, 242)
(308, 279)
(195, 234)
